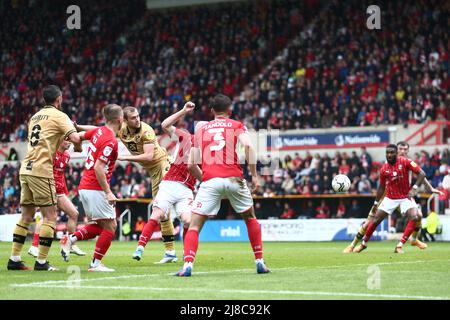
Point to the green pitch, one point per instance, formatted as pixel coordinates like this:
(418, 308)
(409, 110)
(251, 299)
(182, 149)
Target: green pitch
(227, 271)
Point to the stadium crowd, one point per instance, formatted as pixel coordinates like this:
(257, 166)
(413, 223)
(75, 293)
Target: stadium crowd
(308, 175)
(335, 73)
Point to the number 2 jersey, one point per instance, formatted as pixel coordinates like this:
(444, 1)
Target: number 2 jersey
(103, 146)
(218, 140)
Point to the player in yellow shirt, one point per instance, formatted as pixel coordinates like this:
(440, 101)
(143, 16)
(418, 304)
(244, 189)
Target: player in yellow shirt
(141, 141)
(46, 130)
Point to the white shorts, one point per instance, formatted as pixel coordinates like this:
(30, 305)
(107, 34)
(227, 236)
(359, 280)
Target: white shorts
(211, 192)
(176, 194)
(96, 206)
(389, 205)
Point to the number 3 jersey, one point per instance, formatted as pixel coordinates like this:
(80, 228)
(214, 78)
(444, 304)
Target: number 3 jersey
(218, 140)
(103, 146)
(46, 130)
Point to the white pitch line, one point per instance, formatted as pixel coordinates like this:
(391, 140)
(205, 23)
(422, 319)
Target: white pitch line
(277, 292)
(43, 283)
(50, 282)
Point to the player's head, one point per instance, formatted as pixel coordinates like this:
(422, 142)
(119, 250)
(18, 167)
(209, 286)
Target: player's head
(131, 116)
(221, 105)
(113, 114)
(52, 96)
(65, 145)
(403, 148)
(391, 153)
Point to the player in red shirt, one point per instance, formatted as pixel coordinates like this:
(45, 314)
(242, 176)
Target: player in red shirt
(62, 158)
(178, 184)
(222, 177)
(95, 194)
(403, 149)
(394, 180)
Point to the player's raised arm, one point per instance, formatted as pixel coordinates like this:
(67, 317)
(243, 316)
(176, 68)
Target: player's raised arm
(81, 127)
(250, 157)
(168, 124)
(431, 189)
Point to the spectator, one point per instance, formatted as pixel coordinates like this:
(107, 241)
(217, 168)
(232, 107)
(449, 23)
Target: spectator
(309, 212)
(341, 210)
(364, 186)
(355, 210)
(288, 184)
(366, 160)
(288, 212)
(322, 211)
(126, 230)
(430, 227)
(138, 227)
(428, 169)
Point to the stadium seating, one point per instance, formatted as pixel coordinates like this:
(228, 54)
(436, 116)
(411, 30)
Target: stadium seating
(334, 67)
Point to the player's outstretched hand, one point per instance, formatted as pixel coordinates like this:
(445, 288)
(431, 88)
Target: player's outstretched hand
(439, 192)
(111, 198)
(189, 107)
(255, 184)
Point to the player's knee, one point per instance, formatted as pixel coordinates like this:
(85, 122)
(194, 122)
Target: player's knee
(26, 218)
(186, 219)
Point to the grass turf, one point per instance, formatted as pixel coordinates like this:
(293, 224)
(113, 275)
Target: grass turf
(227, 271)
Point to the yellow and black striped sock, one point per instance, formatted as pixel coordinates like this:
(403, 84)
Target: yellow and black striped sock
(359, 236)
(45, 239)
(19, 236)
(167, 233)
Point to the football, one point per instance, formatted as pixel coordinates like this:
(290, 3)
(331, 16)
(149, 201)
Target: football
(341, 183)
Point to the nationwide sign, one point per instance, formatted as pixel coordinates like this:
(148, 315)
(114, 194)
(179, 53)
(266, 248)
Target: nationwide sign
(327, 140)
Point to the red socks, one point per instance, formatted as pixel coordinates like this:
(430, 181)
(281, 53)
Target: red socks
(408, 230)
(89, 231)
(103, 243)
(370, 229)
(185, 230)
(146, 234)
(254, 235)
(190, 245)
(35, 242)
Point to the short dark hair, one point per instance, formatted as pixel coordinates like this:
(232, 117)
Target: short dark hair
(221, 103)
(392, 146)
(403, 143)
(51, 93)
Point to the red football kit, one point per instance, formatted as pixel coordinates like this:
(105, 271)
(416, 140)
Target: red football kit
(217, 141)
(103, 147)
(60, 163)
(179, 170)
(396, 177)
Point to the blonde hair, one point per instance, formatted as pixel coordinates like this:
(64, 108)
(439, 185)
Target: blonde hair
(112, 112)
